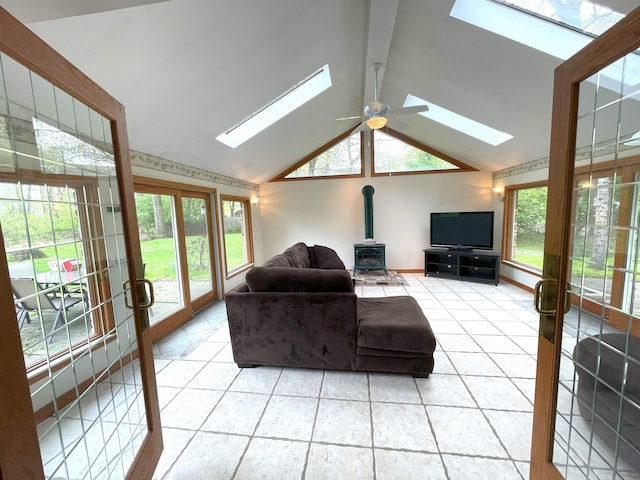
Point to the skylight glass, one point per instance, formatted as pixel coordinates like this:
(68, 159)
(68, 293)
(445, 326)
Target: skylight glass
(583, 15)
(278, 108)
(558, 31)
(458, 122)
(520, 26)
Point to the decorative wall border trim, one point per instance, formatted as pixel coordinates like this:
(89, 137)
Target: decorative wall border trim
(522, 168)
(152, 162)
(601, 152)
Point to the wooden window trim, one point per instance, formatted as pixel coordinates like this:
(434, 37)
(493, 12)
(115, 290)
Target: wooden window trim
(463, 167)
(507, 222)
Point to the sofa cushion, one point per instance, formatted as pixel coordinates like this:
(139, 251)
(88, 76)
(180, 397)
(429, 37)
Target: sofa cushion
(394, 324)
(286, 279)
(277, 261)
(325, 258)
(298, 256)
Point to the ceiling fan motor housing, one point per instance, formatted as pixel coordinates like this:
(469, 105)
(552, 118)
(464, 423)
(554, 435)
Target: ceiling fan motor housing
(373, 110)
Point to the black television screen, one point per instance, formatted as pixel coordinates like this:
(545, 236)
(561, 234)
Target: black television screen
(464, 230)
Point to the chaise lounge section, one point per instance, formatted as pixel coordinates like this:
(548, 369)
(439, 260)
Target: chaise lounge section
(300, 309)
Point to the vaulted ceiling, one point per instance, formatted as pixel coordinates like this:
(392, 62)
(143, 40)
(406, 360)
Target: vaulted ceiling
(187, 70)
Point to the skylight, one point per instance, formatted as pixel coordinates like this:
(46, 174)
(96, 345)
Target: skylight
(278, 108)
(458, 122)
(559, 30)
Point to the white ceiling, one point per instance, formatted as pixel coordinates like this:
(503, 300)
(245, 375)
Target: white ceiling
(187, 70)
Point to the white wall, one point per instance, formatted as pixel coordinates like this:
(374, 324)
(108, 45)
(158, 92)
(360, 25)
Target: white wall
(331, 212)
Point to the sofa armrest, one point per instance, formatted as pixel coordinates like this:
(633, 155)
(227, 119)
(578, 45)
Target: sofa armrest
(313, 330)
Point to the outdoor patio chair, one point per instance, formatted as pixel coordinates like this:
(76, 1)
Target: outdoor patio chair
(31, 298)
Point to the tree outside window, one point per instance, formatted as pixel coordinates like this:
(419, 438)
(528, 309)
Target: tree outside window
(238, 241)
(526, 220)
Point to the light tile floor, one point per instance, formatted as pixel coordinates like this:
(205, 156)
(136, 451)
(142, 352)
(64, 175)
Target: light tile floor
(471, 419)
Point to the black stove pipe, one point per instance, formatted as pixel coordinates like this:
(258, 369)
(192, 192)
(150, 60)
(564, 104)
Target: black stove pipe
(368, 191)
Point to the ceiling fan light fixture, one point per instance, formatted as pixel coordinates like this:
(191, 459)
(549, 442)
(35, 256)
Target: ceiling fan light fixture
(376, 123)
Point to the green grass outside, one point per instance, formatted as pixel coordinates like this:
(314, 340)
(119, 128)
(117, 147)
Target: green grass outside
(530, 251)
(235, 252)
(159, 256)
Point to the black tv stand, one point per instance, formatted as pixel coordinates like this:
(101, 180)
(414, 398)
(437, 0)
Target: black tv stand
(468, 265)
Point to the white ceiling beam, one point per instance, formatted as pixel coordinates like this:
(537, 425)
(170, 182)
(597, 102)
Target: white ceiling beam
(382, 21)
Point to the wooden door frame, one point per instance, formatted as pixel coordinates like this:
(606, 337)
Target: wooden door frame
(615, 43)
(16, 415)
(179, 191)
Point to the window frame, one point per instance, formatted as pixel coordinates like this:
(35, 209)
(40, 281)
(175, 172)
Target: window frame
(462, 167)
(281, 177)
(250, 260)
(93, 240)
(508, 224)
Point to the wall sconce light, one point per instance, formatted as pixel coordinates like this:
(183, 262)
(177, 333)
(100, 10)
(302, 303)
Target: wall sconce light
(499, 191)
(254, 200)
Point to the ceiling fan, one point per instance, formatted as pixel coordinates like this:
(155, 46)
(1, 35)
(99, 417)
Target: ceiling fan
(376, 112)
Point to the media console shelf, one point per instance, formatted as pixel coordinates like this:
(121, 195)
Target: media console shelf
(473, 266)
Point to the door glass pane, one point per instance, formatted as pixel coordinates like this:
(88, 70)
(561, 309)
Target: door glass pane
(156, 220)
(597, 431)
(61, 218)
(194, 213)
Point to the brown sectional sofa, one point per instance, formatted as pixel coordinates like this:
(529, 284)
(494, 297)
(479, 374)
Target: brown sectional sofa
(608, 368)
(300, 310)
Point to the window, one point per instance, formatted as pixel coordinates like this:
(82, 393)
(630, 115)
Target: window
(394, 153)
(342, 157)
(238, 240)
(525, 219)
(298, 95)
(458, 122)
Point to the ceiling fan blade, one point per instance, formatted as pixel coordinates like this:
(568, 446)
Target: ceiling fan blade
(345, 118)
(407, 110)
(360, 128)
(396, 124)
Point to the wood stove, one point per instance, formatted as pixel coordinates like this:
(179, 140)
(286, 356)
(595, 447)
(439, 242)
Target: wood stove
(369, 257)
(369, 254)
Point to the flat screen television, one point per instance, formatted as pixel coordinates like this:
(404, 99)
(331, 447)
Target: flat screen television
(462, 230)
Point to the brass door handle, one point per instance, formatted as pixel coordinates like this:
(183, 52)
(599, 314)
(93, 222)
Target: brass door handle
(537, 298)
(146, 299)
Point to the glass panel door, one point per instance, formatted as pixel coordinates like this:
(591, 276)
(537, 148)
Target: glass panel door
(176, 240)
(587, 404)
(195, 213)
(82, 397)
(159, 242)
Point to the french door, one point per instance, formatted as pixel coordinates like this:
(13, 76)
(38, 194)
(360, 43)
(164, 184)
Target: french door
(587, 402)
(177, 241)
(78, 387)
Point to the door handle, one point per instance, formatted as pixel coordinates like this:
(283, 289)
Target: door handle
(538, 297)
(146, 299)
